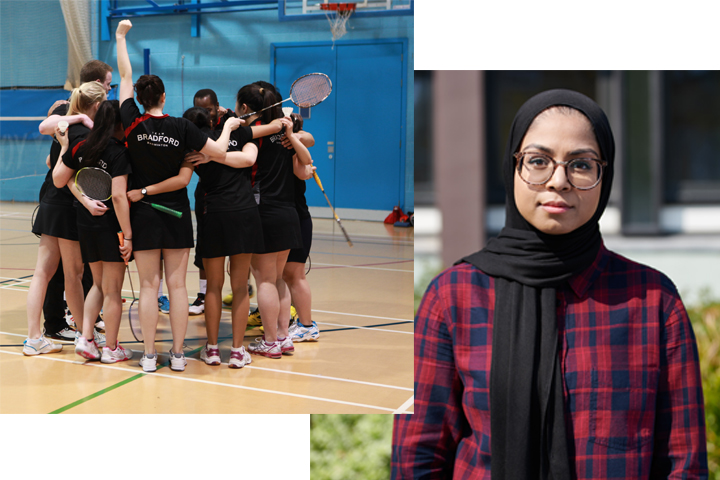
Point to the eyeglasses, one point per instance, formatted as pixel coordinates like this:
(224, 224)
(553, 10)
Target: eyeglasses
(537, 169)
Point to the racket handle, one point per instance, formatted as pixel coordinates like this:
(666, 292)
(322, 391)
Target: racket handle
(121, 237)
(167, 210)
(317, 180)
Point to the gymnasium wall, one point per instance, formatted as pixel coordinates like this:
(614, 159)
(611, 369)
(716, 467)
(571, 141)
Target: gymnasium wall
(233, 50)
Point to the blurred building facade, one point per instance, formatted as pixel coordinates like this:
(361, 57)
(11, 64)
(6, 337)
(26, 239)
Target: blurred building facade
(665, 205)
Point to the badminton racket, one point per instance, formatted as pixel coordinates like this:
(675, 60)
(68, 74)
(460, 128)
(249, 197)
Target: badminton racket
(305, 92)
(133, 316)
(317, 180)
(164, 209)
(94, 183)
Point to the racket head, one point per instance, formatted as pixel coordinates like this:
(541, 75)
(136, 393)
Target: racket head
(94, 183)
(310, 89)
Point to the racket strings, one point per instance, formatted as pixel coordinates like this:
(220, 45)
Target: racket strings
(310, 90)
(94, 183)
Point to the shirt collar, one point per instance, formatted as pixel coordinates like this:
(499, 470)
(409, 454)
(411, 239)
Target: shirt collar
(581, 282)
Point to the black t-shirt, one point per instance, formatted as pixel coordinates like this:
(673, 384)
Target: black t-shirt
(221, 121)
(115, 160)
(227, 188)
(273, 172)
(157, 149)
(75, 133)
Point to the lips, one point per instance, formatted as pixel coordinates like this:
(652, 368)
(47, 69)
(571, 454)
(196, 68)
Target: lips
(555, 207)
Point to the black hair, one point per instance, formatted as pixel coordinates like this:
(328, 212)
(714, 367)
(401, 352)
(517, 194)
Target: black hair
(297, 122)
(257, 97)
(206, 92)
(198, 116)
(106, 119)
(149, 89)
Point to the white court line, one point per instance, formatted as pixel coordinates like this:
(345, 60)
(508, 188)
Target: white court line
(13, 289)
(186, 379)
(403, 408)
(364, 268)
(324, 377)
(312, 375)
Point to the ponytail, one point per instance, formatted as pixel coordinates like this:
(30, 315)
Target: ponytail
(106, 119)
(84, 97)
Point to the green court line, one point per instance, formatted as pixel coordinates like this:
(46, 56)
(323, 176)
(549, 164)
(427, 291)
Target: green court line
(97, 394)
(119, 384)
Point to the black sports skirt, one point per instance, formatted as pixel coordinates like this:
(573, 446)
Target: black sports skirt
(231, 233)
(57, 221)
(281, 228)
(153, 229)
(99, 245)
(300, 255)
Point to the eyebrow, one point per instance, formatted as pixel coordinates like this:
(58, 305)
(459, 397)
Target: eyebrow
(551, 151)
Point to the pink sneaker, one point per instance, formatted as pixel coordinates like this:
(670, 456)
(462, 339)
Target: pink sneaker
(286, 346)
(239, 358)
(261, 347)
(114, 356)
(87, 349)
(210, 355)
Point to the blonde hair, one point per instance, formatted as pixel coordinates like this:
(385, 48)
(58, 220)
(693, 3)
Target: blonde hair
(85, 96)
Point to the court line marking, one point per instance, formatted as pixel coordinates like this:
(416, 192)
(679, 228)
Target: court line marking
(324, 377)
(368, 328)
(207, 382)
(403, 408)
(334, 265)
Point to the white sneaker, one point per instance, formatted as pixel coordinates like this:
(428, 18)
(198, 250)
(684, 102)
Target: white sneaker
(239, 358)
(177, 361)
(286, 345)
(87, 349)
(261, 347)
(100, 340)
(301, 333)
(210, 355)
(148, 362)
(117, 355)
(198, 306)
(39, 346)
(98, 337)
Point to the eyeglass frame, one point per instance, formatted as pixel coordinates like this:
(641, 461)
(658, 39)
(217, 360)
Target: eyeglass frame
(518, 156)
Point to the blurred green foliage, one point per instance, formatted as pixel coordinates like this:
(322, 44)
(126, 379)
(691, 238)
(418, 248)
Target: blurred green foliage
(350, 447)
(705, 317)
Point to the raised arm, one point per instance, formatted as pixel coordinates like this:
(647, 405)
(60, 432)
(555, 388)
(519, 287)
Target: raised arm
(177, 182)
(123, 60)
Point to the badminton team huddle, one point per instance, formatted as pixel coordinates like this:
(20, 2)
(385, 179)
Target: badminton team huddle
(250, 207)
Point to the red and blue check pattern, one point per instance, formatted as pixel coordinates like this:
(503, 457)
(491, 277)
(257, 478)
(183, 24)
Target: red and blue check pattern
(632, 387)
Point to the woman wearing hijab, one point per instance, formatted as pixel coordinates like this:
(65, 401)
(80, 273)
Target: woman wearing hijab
(562, 359)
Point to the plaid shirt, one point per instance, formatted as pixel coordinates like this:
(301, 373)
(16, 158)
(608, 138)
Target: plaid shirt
(632, 387)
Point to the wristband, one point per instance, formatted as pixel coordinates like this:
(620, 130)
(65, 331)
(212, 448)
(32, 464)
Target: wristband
(128, 239)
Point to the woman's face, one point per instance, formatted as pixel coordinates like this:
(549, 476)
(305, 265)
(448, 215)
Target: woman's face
(557, 207)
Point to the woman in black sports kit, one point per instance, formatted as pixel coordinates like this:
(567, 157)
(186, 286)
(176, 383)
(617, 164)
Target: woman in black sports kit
(56, 223)
(273, 189)
(157, 145)
(231, 227)
(102, 149)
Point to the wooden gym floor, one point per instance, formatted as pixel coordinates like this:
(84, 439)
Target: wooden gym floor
(363, 362)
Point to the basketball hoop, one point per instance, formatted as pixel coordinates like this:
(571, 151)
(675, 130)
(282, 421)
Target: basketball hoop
(337, 15)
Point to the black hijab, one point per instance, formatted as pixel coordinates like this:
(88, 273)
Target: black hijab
(527, 424)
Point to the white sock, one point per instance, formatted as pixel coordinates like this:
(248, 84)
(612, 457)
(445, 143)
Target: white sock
(203, 286)
(211, 346)
(160, 293)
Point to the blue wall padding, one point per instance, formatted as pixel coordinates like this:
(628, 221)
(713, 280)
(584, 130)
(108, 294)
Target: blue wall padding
(26, 103)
